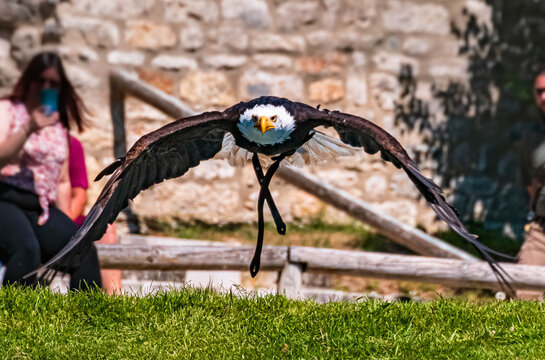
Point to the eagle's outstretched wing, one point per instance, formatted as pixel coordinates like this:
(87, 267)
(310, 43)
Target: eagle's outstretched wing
(359, 132)
(166, 153)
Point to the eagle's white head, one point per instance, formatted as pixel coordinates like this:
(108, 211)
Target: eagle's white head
(266, 124)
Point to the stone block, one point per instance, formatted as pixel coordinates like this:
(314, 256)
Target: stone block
(304, 205)
(174, 62)
(192, 38)
(87, 54)
(225, 61)
(142, 118)
(392, 62)
(403, 210)
(190, 201)
(278, 43)
(97, 32)
(5, 48)
(131, 58)
(25, 41)
(254, 83)
(356, 88)
(326, 63)
(181, 11)
(356, 40)
(359, 13)
(340, 178)
(213, 170)
(9, 74)
(121, 9)
(413, 17)
(416, 45)
(273, 61)
(326, 90)
(321, 39)
(233, 38)
(330, 12)
(375, 186)
(81, 77)
(14, 13)
(449, 68)
(157, 79)
(385, 89)
(291, 16)
(359, 60)
(401, 185)
(206, 89)
(254, 13)
(147, 35)
(481, 10)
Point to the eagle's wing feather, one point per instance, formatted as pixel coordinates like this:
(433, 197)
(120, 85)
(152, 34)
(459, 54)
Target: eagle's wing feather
(322, 147)
(166, 153)
(359, 132)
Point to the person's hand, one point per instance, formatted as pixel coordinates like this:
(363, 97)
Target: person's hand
(38, 119)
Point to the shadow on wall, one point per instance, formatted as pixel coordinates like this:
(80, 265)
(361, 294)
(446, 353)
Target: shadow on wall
(478, 134)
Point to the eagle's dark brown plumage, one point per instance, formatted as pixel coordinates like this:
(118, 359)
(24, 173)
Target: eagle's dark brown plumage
(172, 150)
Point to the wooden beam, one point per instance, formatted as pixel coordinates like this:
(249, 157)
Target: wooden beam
(451, 272)
(144, 257)
(401, 233)
(117, 110)
(131, 84)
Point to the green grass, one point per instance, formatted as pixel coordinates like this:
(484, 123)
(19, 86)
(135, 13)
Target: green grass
(315, 232)
(200, 324)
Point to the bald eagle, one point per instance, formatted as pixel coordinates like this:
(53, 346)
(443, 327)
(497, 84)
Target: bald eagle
(268, 127)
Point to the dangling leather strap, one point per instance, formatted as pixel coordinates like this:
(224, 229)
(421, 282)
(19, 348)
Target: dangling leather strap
(256, 261)
(280, 225)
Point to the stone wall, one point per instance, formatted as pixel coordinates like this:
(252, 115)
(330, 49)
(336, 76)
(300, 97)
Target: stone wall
(343, 54)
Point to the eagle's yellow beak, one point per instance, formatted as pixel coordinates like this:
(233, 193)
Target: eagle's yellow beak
(264, 124)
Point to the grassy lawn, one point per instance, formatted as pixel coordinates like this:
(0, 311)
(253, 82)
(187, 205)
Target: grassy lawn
(200, 324)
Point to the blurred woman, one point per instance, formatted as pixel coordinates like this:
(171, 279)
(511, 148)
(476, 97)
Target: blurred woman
(34, 180)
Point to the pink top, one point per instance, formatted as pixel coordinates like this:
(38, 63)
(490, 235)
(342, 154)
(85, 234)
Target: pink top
(77, 170)
(38, 166)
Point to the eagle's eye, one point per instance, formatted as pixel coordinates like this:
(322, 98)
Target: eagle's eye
(254, 118)
(273, 118)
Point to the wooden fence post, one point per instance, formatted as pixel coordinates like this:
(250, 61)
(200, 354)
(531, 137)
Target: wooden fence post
(291, 280)
(117, 109)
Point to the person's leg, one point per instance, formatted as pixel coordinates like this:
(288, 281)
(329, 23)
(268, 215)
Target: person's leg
(54, 235)
(19, 246)
(87, 275)
(532, 252)
(111, 278)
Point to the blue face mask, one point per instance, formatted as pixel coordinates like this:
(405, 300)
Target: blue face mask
(49, 99)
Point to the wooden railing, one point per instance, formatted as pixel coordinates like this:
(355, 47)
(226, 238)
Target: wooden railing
(292, 261)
